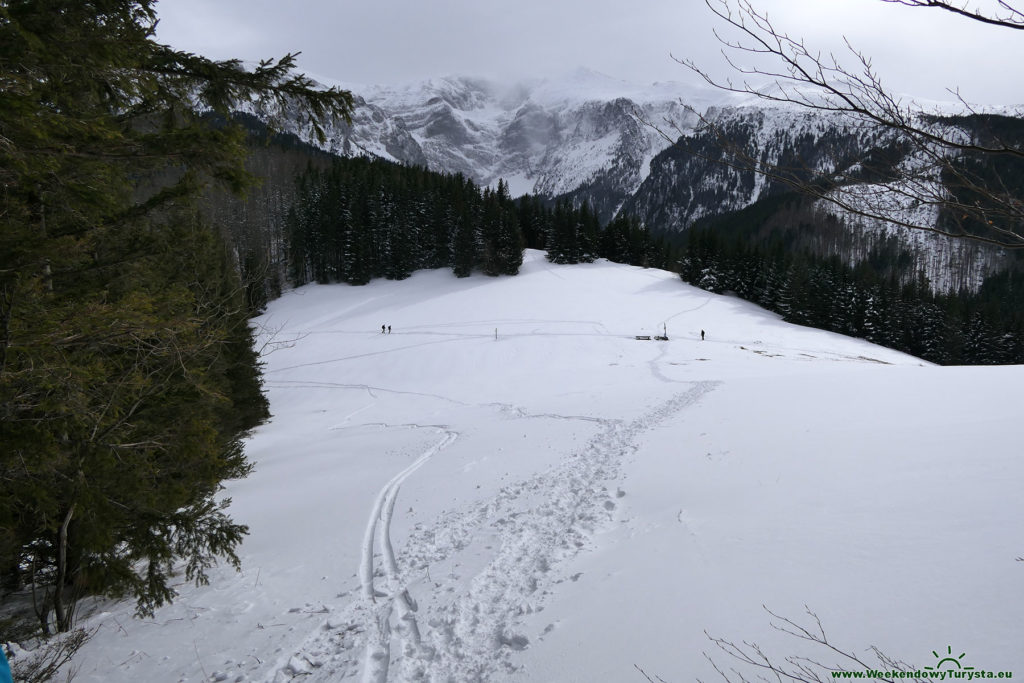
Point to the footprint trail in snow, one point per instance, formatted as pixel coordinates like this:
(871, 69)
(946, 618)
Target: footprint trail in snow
(470, 628)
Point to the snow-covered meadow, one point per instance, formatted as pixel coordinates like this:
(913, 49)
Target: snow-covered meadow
(511, 487)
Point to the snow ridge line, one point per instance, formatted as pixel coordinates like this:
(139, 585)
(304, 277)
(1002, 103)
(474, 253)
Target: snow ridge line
(378, 655)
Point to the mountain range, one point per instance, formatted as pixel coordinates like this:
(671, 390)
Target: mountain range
(628, 148)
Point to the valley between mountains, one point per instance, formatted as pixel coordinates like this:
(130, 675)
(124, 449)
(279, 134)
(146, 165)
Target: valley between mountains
(510, 487)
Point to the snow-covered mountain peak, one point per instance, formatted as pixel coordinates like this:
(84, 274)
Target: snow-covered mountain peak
(460, 92)
(585, 136)
(549, 136)
(579, 85)
(572, 88)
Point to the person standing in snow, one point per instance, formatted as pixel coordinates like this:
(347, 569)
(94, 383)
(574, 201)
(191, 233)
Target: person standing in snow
(382, 329)
(389, 329)
(702, 335)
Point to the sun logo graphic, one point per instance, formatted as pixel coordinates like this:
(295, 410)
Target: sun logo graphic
(953, 662)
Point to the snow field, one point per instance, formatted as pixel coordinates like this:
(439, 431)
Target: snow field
(563, 502)
(898, 529)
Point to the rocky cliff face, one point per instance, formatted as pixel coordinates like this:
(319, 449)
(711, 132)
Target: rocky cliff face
(582, 137)
(577, 136)
(689, 182)
(693, 179)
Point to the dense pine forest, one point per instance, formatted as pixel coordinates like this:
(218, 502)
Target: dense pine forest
(362, 218)
(352, 220)
(763, 254)
(320, 218)
(128, 377)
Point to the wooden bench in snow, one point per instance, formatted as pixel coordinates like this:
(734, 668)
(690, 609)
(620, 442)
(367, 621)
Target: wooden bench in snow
(643, 337)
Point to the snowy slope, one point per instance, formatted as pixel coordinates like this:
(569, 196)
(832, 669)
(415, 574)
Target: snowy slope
(511, 487)
(548, 136)
(582, 136)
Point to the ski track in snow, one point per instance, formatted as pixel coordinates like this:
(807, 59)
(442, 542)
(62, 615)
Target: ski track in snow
(447, 338)
(378, 527)
(310, 384)
(470, 631)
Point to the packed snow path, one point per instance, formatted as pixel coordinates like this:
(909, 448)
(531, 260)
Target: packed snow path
(379, 527)
(532, 525)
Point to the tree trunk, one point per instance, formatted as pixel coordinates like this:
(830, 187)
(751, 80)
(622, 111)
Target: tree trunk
(62, 613)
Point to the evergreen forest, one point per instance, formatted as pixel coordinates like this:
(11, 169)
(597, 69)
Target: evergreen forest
(128, 377)
(315, 217)
(354, 219)
(364, 218)
(761, 255)
(139, 238)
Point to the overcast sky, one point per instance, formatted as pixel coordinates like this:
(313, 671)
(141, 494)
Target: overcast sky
(919, 52)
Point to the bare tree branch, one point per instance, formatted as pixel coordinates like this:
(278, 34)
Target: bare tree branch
(800, 668)
(952, 180)
(1013, 18)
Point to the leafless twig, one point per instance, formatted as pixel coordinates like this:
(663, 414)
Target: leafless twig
(958, 170)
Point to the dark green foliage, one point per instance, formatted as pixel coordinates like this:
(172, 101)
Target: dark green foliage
(501, 240)
(866, 301)
(127, 374)
(466, 214)
(251, 222)
(362, 218)
(573, 237)
(534, 220)
(625, 240)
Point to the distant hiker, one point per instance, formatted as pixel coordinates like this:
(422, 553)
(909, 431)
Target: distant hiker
(382, 329)
(389, 329)
(702, 335)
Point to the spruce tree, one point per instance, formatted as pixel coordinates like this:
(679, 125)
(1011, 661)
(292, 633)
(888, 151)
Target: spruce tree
(127, 375)
(464, 232)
